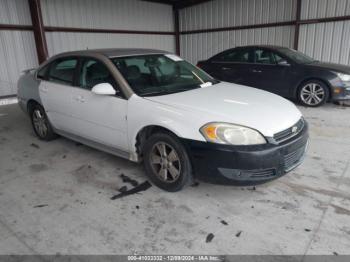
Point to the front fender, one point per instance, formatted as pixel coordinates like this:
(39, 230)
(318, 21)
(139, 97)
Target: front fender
(143, 113)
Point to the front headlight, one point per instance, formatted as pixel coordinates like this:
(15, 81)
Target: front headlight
(344, 77)
(223, 133)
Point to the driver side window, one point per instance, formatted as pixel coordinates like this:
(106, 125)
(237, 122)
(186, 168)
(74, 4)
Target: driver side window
(94, 72)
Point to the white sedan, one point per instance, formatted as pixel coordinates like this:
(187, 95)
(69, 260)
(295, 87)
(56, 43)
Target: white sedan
(152, 106)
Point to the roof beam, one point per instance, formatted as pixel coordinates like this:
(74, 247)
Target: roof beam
(38, 29)
(187, 3)
(179, 4)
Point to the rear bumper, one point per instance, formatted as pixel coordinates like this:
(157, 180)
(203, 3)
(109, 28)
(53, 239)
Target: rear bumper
(246, 165)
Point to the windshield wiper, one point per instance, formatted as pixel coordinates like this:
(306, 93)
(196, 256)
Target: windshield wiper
(159, 93)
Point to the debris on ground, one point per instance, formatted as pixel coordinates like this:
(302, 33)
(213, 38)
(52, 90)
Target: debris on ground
(137, 207)
(195, 184)
(123, 189)
(307, 229)
(141, 187)
(64, 156)
(252, 189)
(209, 237)
(335, 253)
(224, 222)
(34, 145)
(238, 233)
(129, 180)
(39, 206)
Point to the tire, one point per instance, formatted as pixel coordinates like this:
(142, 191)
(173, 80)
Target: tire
(41, 123)
(166, 162)
(313, 93)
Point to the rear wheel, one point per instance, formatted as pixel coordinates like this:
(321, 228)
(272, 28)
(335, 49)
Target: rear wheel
(41, 124)
(166, 162)
(313, 93)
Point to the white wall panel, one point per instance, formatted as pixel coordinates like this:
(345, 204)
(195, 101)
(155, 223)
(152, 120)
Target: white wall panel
(328, 42)
(61, 41)
(108, 14)
(15, 12)
(324, 8)
(224, 13)
(196, 47)
(17, 53)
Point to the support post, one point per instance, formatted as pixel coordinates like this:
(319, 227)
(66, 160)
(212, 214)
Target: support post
(38, 30)
(177, 30)
(297, 25)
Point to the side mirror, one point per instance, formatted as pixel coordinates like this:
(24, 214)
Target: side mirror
(283, 63)
(105, 89)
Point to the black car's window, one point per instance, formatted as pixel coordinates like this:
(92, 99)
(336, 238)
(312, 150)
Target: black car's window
(263, 56)
(235, 56)
(296, 56)
(278, 58)
(62, 71)
(94, 72)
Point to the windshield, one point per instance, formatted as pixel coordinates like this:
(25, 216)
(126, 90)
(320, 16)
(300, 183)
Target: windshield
(296, 56)
(153, 75)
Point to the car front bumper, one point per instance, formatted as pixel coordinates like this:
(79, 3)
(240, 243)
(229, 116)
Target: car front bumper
(246, 165)
(340, 92)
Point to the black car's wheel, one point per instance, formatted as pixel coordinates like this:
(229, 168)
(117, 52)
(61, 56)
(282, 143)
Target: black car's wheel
(41, 124)
(166, 162)
(313, 93)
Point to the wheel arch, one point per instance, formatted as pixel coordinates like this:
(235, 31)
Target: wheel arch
(145, 132)
(31, 103)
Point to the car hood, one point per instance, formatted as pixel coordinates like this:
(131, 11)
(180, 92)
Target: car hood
(237, 104)
(333, 67)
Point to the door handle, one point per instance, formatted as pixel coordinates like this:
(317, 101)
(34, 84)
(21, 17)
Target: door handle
(257, 71)
(225, 68)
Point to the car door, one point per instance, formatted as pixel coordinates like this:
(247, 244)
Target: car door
(270, 72)
(55, 87)
(100, 118)
(232, 66)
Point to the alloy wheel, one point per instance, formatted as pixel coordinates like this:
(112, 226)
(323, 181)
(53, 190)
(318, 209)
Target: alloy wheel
(312, 94)
(165, 162)
(40, 123)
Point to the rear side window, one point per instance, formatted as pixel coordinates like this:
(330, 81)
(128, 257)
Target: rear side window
(235, 56)
(62, 71)
(263, 56)
(42, 73)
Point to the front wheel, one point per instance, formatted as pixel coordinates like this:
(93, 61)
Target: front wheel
(313, 93)
(166, 162)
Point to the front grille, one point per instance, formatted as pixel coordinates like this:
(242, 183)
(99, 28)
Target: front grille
(289, 132)
(291, 160)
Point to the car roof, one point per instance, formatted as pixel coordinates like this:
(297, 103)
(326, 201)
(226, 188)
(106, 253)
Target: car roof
(275, 47)
(114, 52)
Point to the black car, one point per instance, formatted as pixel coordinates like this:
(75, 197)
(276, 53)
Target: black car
(283, 71)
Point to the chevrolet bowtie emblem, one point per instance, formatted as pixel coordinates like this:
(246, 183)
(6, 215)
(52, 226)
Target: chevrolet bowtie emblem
(294, 129)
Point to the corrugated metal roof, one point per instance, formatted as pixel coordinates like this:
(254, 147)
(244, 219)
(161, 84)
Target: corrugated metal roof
(59, 42)
(228, 13)
(326, 41)
(15, 12)
(324, 8)
(17, 53)
(108, 14)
